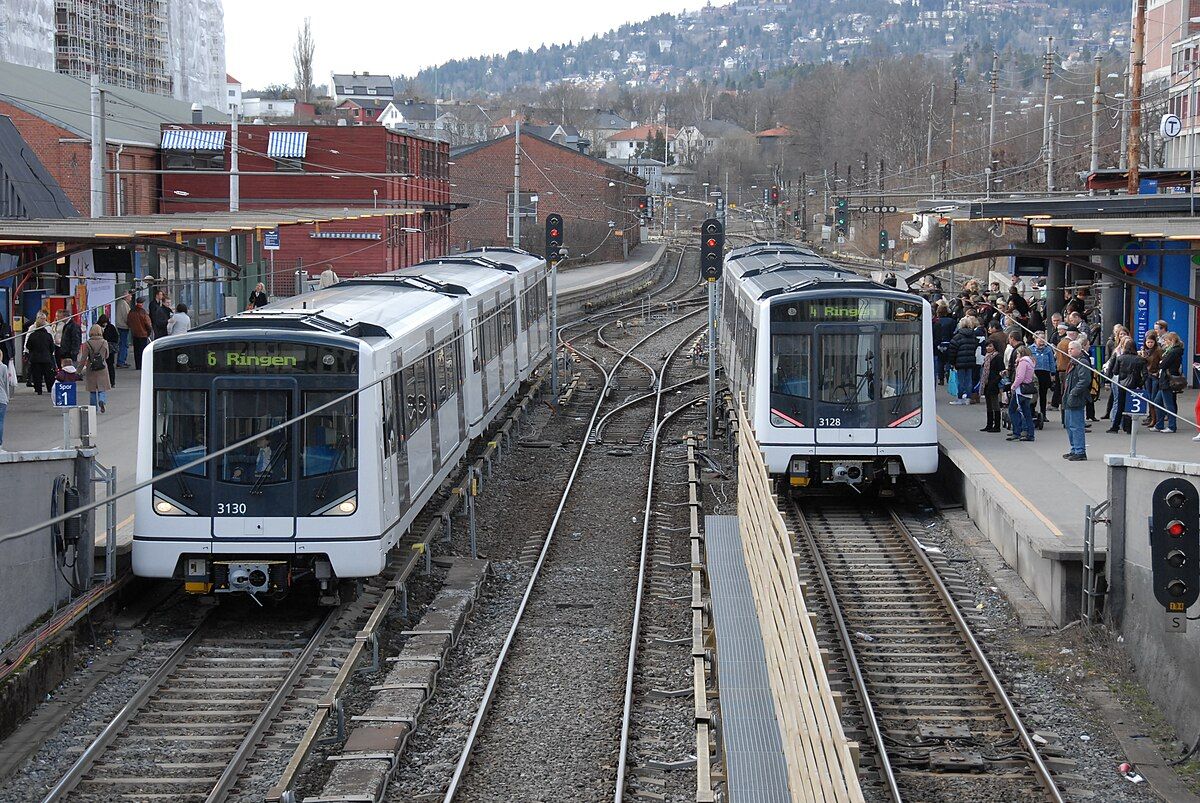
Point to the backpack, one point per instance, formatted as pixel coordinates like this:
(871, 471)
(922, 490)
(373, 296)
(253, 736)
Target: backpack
(1097, 383)
(95, 361)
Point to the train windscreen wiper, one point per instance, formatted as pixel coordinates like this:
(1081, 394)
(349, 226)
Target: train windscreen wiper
(342, 446)
(173, 455)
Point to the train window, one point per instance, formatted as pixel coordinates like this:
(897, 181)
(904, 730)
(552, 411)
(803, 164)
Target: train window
(391, 433)
(246, 414)
(416, 396)
(900, 371)
(790, 363)
(847, 368)
(181, 429)
(476, 346)
(445, 371)
(330, 436)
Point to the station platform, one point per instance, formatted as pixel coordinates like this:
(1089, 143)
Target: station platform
(34, 424)
(1030, 502)
(594, 282)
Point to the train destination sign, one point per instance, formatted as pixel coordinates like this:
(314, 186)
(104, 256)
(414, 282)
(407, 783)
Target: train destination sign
(845, 310)
(256, 357)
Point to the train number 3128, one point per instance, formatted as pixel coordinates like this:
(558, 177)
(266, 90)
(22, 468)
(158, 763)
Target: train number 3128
(829, 422)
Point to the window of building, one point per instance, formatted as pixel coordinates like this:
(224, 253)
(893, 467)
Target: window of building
(289, 165)
(194, 160)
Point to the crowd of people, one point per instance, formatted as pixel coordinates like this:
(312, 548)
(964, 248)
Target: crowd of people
(1001, 350)
(57, 351)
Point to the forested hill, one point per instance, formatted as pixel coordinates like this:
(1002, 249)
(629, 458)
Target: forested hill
(733, 44)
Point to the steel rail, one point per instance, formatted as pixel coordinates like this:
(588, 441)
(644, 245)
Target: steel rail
(656, 392)
(631, 662)
(494, 677)
(960, 622)
(856, 675)
(249, 744)
(122, 718)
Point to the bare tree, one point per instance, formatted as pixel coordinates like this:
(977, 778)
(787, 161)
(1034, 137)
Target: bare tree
(302, 57)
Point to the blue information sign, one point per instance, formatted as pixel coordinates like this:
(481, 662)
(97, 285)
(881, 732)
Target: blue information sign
(1141, 315)
(270, 240)
(64, 394)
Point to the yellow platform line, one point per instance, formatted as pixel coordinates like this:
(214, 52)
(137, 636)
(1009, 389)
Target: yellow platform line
(1000, 478)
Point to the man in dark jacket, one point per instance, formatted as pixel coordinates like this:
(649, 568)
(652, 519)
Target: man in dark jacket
(72, 338)
(160, 315)
(1077, 386)
(39, 356)
(961, 356)
(140, 329)
(943, 332)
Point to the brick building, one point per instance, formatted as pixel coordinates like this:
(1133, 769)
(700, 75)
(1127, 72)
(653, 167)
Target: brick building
(596, 199)
(319, 166)
(53, 114)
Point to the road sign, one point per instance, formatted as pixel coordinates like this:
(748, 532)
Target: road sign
(271, 240)
(64, 394)
(1169, 126)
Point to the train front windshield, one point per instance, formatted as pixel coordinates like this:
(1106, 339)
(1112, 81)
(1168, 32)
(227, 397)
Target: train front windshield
(852, 362)
(233, 393)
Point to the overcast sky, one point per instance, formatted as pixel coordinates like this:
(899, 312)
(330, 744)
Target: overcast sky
(399, 38)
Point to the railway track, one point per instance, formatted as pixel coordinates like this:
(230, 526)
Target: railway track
(221, 714)
(934, 720)
(552, 706)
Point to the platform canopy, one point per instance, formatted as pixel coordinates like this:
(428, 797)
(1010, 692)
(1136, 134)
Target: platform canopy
(133, 228)
(1156, 228)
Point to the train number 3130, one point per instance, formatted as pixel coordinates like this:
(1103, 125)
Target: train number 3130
(231, 508)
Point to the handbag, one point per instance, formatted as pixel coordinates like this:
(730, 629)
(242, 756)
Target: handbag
(952, 384)
(1176, 383)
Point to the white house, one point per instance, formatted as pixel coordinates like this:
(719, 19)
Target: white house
(233, 94)
(637, 141)
(360, 86)
(268, 107)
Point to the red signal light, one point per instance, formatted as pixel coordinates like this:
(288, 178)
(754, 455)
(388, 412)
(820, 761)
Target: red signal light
(712, 243)
(1176, 529)
(553, 232)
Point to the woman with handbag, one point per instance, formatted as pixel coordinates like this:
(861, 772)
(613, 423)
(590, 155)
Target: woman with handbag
(1024, 385)
(1153, 353)
(1130, 375)
(1170, 381)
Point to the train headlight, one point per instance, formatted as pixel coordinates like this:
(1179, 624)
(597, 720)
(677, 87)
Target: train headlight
(346, 506)
(166, 507)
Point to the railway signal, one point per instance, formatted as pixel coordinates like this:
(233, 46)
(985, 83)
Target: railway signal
(1175, 548)
(712, 249)
(883, 241)
(774, 195)
(841, 216)
(554, 237)
(643, 207)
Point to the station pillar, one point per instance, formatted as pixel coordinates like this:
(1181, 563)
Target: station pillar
(1115, 297)
(1056, 271)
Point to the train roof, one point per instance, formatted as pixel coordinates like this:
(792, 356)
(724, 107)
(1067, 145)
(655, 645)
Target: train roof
(768, 269)
(385, 304)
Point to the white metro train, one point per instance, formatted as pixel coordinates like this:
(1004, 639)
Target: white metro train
(835, 368)
(436, 350)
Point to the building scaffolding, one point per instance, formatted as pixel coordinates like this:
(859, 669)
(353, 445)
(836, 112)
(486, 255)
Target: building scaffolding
(124, 41)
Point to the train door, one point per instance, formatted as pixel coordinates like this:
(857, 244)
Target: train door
(418, 412)
(448, 393)
(844, 406)
(255, 483)
(395, 469)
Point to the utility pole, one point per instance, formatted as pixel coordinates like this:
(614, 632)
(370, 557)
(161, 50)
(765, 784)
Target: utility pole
(929, 132)
(234, 189)
(1050, 158)
(1094, 164)
(1047, 74)
(516, 227)
(99, 147)
(1122, 154)
(993, 84)
(803, 206)
(1135, 97)
(953, 124)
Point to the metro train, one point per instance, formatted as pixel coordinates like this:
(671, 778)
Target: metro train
(435, 351)
(835, 369)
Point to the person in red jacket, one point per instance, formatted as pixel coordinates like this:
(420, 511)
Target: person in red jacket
(140, 329)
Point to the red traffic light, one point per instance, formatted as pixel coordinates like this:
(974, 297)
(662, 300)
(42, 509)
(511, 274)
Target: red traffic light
(712, 242)
(553, 232)
(1176, 529)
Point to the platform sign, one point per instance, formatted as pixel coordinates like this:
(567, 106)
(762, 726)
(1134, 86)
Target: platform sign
(1136, 404)
(64, 394)
(271, 240)
(1141, 315)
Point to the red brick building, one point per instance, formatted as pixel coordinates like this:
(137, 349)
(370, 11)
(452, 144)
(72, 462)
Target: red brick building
(596, 199)
(53, 114)
(320, 166)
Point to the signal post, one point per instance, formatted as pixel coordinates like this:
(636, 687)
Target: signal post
(712, 257)
(554, 247)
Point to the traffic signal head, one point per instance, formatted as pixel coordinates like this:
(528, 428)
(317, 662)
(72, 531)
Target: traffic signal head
(1175, 544)
(883, 241)
(842, 204)
(712, 248)
(554, 237)
(774, 196)
(796, 216)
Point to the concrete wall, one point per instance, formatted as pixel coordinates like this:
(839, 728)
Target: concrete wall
(1166, 662)
(30, 581)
